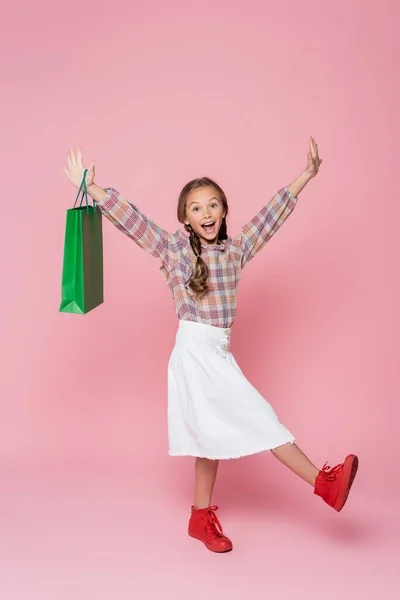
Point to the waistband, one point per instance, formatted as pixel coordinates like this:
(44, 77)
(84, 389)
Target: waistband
(205, 330)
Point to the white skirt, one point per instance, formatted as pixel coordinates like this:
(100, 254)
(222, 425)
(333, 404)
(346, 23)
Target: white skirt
(213, 410)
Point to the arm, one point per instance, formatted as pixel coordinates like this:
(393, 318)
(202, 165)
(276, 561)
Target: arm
(130, 220)
(257, 232)
(123, 214)
(298, 184)
(262, 227)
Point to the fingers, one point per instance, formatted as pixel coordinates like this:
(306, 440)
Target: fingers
(314, 162)
(79, 158)
(312, 149)
(72, 157)
(314, 144)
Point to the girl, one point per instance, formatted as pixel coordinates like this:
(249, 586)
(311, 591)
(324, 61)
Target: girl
(213, 410)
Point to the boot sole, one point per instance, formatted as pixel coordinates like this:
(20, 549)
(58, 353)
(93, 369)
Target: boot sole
(349, 472)
(210, 549)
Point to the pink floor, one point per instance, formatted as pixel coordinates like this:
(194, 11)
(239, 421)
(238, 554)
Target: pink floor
(70, 532)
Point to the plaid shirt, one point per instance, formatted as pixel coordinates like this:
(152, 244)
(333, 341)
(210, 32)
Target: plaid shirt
(225, 260)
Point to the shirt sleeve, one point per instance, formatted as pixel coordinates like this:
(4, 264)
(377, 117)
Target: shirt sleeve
(130, 220)
(257, 232)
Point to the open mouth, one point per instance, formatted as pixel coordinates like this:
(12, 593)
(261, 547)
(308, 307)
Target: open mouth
(209, 227)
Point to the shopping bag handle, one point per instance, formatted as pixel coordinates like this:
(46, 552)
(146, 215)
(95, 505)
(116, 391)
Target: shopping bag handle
(84, 193)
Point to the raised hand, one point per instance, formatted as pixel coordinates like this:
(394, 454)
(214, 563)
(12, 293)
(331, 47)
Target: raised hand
(76, 169)
(313, 160)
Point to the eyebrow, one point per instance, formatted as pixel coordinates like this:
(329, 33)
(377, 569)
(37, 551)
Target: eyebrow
(197, 202)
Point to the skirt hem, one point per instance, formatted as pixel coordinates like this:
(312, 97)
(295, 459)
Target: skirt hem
(232, 457)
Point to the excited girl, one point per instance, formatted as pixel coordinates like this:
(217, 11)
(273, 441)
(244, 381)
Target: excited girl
(214, 413)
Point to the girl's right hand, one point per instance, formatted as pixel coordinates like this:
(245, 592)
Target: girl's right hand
(76, 169)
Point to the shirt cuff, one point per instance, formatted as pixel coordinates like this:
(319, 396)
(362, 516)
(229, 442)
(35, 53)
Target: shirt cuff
(110, 199)
(293, 198)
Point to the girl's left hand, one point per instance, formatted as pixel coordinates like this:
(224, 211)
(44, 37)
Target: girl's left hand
(313, 159)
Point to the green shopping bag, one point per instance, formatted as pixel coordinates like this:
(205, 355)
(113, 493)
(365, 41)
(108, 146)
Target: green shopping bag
(82, 275)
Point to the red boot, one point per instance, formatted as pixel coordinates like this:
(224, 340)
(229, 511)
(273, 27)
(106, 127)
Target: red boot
(204, 526)
(333, 485)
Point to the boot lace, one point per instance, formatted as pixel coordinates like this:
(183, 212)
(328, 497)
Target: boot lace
(330, 473)
(213, 526)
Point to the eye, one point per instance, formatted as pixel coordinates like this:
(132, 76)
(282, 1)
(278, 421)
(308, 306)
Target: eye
(214, 204)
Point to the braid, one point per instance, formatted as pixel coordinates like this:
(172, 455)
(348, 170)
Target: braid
(198, 280)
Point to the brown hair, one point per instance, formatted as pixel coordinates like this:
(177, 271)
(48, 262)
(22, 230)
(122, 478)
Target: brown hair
(198, 281)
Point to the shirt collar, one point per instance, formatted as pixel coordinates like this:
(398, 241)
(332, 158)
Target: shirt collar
(220, 246)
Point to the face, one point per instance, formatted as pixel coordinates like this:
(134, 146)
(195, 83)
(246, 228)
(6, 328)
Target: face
(204, 206)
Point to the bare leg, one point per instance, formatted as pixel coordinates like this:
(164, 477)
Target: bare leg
(291, 456)
(206, 473)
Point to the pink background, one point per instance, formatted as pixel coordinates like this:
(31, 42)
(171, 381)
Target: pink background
(158, 93)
